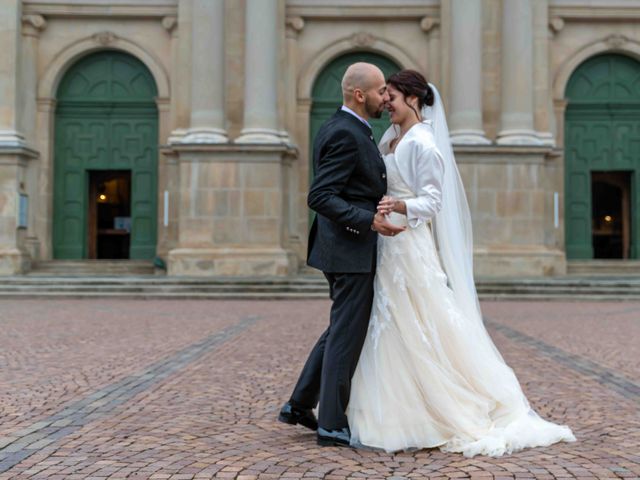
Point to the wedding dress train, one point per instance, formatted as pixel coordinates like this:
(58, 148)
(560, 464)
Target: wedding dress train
(427, 377)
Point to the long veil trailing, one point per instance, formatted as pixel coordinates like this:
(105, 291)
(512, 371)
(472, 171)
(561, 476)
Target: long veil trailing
(453, 230)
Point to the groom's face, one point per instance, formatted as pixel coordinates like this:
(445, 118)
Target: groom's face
(376, 96)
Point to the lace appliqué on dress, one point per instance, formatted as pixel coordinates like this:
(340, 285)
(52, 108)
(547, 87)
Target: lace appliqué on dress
(381, 315)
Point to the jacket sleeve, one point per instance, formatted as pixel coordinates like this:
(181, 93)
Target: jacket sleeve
(336, 164)
(426, 169)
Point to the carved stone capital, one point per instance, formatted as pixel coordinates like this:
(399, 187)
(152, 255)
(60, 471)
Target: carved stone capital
(169, 23)
(33, 24)
(556, 24)
(362, 39)
(105, 38)
(616, 40)
(428, 23)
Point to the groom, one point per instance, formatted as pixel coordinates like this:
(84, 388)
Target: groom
(350, 180)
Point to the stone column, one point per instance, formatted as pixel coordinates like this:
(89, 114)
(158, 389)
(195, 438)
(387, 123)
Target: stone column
(207, 73)
(32, 26)
(261, 73)
(10, 13)
(294, 26)
(14, 154)
(431, 26)
(543, 103)
(516, 119)
(180, 72)
(44, 209)
(465, 113)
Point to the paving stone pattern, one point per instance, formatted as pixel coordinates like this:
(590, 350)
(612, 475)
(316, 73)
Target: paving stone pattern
(190, 390)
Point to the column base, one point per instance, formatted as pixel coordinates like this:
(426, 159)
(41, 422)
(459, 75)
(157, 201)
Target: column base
(231, 262)
(524, 261)
(11, 138)
(518, 137)
(547, 139)
(260, 135)
(14, 261)
(176, 136)
(469, 137)
(204, 135)
(32, 246)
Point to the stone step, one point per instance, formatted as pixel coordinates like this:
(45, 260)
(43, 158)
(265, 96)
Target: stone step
(298, 296)
(155, 280)
(92, 267)
(309, 286)
(603, 267)
(152, 283)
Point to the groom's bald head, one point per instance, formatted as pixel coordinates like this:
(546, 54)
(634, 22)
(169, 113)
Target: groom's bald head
(361, 76)
(364, 89)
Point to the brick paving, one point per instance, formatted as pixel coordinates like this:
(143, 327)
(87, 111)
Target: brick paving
(190, 390)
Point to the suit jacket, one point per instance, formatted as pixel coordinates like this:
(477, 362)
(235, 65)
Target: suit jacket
(350, 179)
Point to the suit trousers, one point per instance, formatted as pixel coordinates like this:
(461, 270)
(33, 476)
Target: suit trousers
(326, 376)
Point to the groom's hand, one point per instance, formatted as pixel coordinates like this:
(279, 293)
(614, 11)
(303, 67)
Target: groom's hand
(385, 227)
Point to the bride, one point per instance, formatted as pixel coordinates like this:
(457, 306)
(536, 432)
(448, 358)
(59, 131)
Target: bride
(429, 374)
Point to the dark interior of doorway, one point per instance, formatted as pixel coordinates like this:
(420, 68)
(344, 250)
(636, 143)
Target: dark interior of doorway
(109, 214)
(611, 215)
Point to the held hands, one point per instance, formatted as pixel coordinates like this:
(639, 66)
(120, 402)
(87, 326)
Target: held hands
(385, 207)
(390, 204)
(384, 226)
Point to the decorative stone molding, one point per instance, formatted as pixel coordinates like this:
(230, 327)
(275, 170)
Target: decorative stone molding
(163, 104)
(310, 70)
(294, 26)
(170, 23)
(33, 24)
(428, 23)
(46, 104)
(616, 40)
(556, 24)
(362, 39)
(105, 38)
(91, 9)
(48, 82)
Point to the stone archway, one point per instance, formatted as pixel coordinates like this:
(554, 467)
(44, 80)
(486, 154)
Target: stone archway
(106, 127)
(602, 158)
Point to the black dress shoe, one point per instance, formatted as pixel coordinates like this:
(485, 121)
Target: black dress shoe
(334, 438)
(295, 415)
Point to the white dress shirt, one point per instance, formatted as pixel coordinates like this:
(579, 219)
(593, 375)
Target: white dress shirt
(348, 110)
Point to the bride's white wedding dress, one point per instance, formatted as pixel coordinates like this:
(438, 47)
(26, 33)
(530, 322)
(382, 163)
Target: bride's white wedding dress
(429, 376)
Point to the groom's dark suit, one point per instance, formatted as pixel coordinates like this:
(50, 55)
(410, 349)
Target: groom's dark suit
(350, 180)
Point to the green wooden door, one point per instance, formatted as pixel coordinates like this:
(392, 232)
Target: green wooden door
(106, 119)
(602, 133)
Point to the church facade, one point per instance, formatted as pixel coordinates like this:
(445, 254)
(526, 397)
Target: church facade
(182, 129)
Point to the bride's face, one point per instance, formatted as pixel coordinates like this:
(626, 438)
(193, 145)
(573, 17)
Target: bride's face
(397, 106)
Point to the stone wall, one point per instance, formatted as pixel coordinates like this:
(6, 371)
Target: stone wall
(234, 79)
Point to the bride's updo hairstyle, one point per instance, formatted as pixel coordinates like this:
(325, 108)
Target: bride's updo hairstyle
(410, 82)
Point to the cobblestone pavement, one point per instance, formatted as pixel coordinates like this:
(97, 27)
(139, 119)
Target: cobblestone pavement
(191, 389)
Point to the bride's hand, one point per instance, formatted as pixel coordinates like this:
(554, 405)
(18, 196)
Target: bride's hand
(390, 204)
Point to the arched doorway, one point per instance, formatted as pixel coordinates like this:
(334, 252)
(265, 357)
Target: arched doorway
(105, 160)
(602, 159)
(327, 92)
